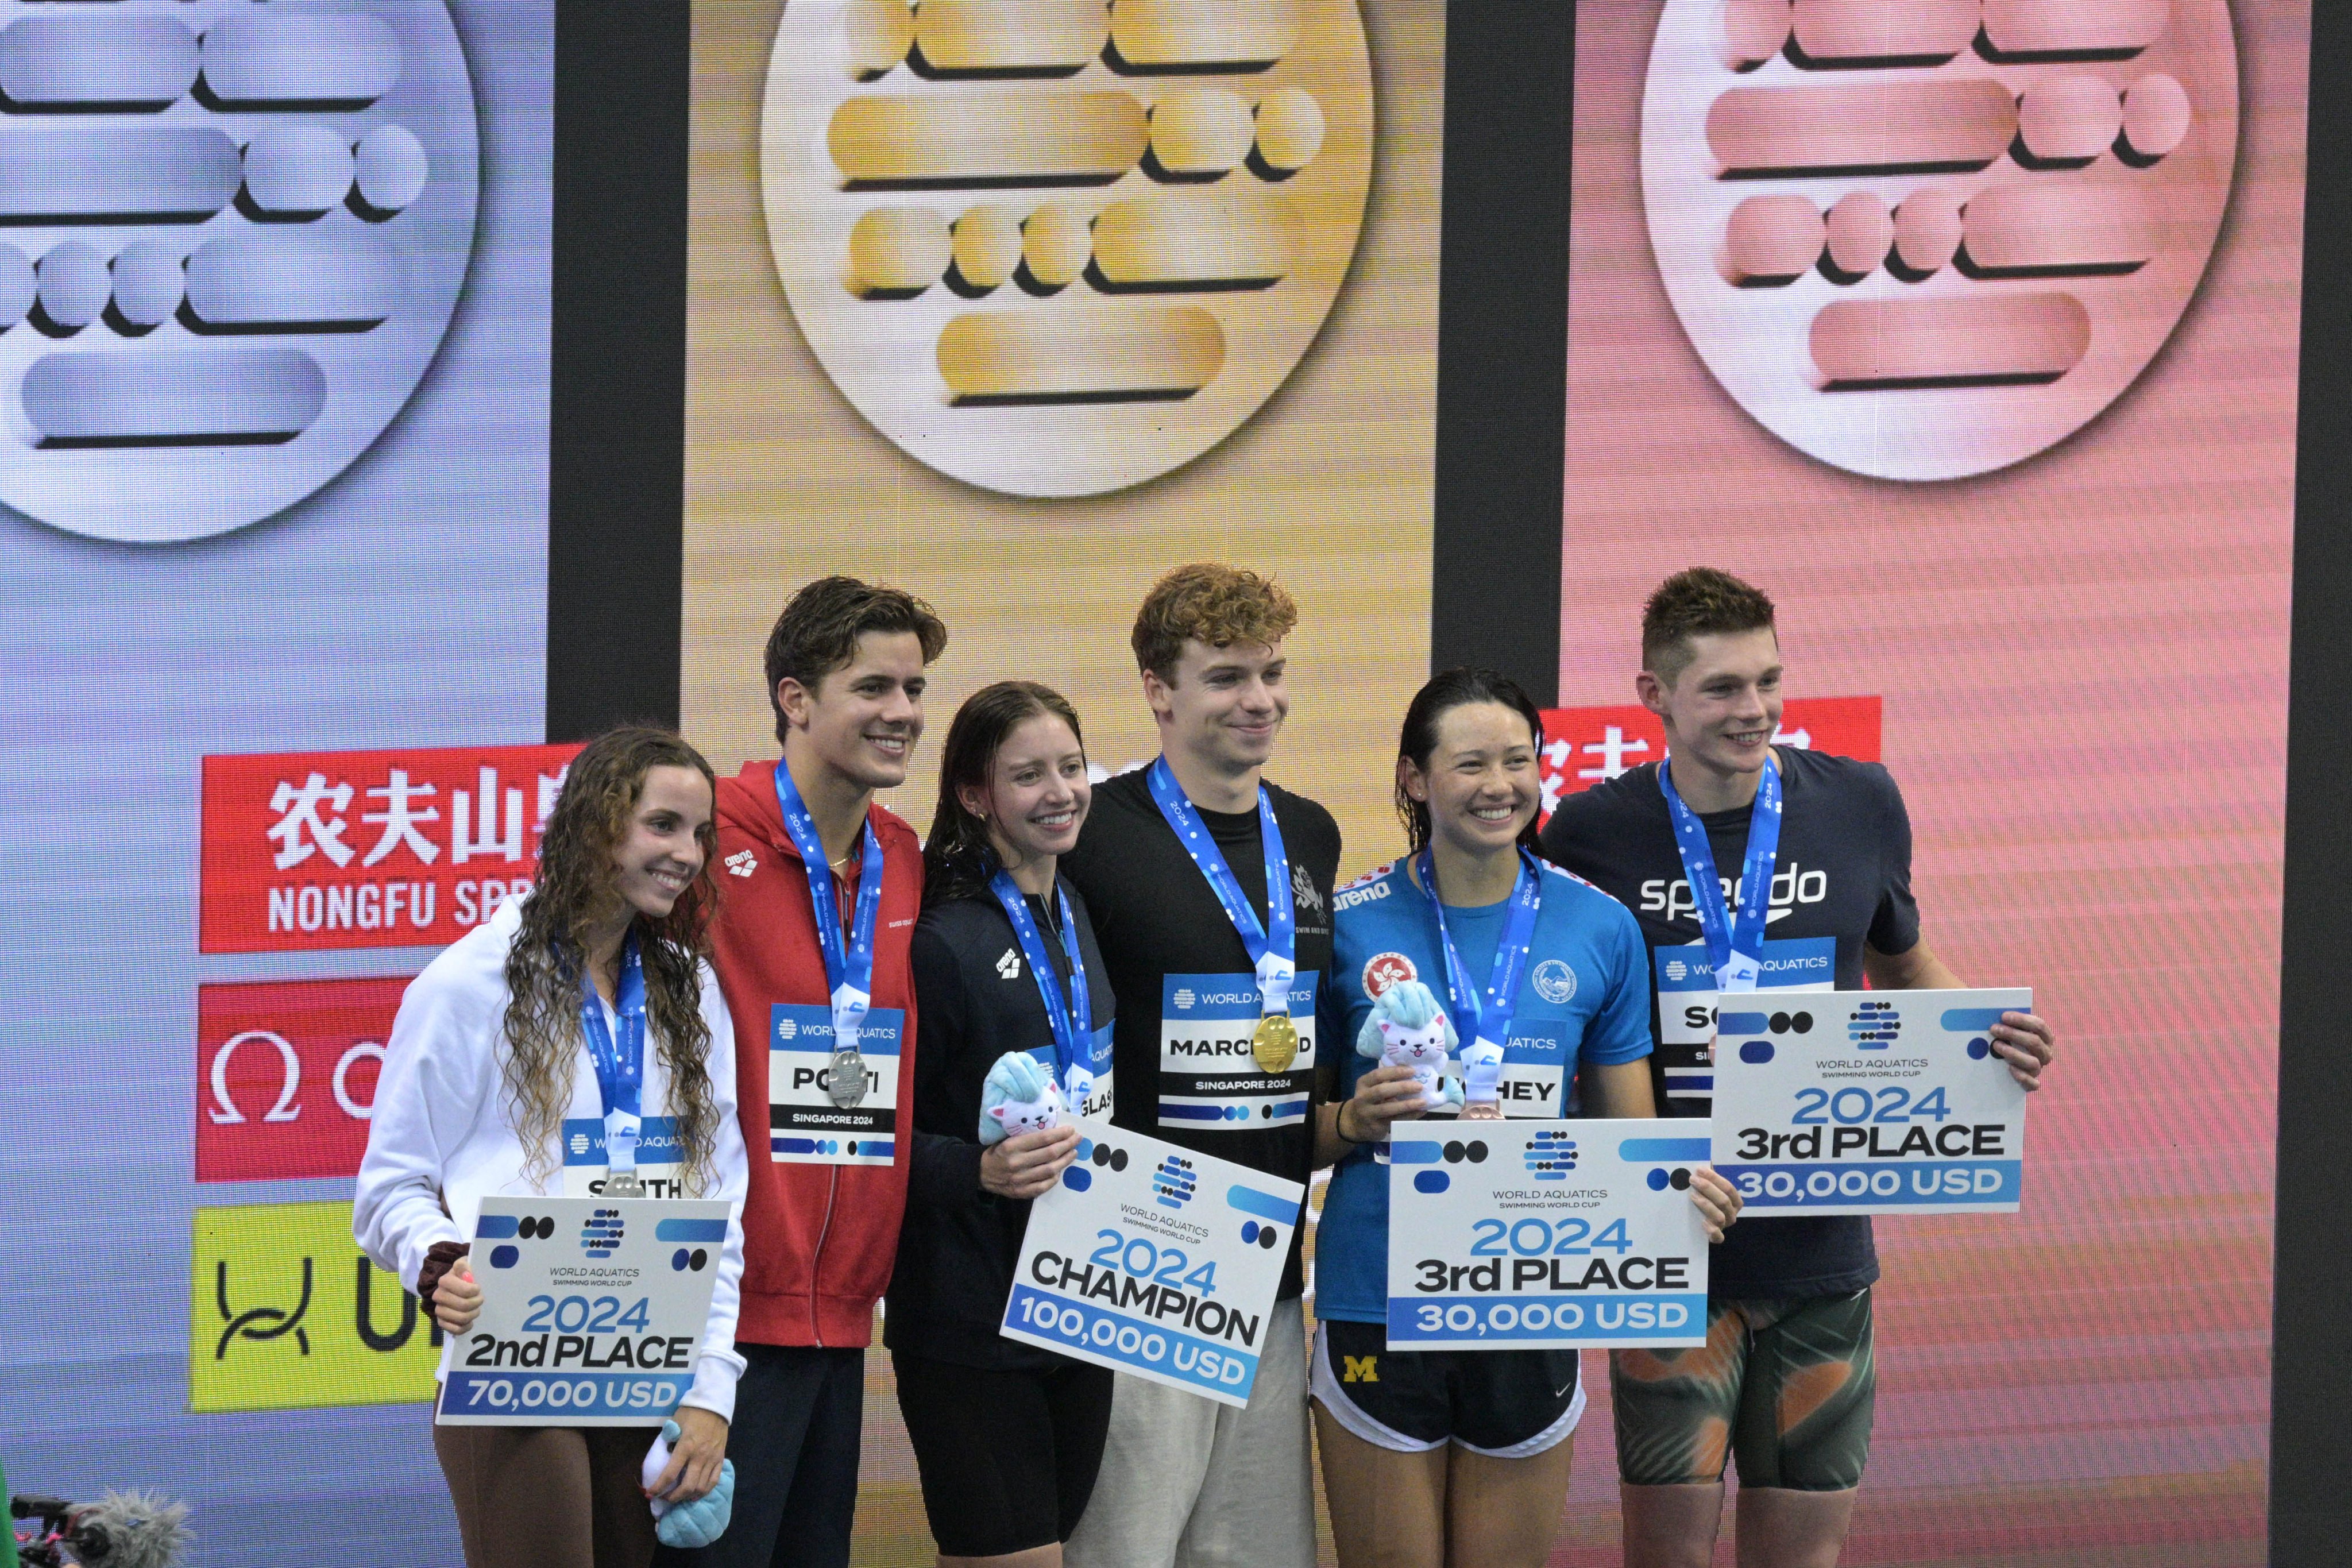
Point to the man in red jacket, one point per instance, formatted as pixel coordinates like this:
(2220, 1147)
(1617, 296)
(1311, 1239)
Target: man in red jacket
(822, 891)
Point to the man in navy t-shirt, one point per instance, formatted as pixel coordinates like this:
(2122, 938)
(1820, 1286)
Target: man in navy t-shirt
(1785, 1384)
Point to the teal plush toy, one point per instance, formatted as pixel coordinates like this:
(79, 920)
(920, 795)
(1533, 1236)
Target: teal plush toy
(1019, 1096)
(685, 1525)
(1407, 1029)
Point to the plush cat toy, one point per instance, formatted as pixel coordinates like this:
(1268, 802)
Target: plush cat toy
(686, 1525)
(1407, 1029)
(1020, 1096)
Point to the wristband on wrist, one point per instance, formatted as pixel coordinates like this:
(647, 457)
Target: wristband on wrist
(1340, 1125)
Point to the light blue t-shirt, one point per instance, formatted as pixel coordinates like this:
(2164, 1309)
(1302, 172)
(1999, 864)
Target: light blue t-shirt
(1583, 998)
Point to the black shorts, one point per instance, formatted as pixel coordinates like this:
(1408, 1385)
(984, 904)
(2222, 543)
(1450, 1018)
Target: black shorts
(1506, 1404)
(1007, 1459)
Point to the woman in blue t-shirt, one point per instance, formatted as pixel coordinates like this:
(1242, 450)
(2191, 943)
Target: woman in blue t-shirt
(1461, 1458)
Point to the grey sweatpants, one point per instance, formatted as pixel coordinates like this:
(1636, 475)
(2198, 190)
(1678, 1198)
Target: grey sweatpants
(1189, 1483)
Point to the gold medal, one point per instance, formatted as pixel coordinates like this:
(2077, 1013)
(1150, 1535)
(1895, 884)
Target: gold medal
(1275, 1043)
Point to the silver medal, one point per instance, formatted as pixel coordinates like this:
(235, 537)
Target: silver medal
(622, 1185)
(844, 1079)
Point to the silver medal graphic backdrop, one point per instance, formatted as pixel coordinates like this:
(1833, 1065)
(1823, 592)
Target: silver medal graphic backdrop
(231, 238)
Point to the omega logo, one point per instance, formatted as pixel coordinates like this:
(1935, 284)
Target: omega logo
(1927, 241)
(224, 1113)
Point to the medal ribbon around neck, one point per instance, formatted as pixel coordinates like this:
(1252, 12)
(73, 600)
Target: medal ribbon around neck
(1273, 944)
(1734, 945)
(1072, 1025)
(849, 966)
(620, 1065)
(1489, 1012)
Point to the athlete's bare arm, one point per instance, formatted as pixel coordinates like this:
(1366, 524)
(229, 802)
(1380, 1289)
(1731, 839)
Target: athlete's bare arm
(2022, 1039)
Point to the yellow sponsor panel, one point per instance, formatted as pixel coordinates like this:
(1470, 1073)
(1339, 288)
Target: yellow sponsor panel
(286, 1313)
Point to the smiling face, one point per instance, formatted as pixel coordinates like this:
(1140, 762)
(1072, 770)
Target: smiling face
(662, 852)
(1037, 792)
(1724, 706)
(1481, 786)
(1225, 707)
(861, 720)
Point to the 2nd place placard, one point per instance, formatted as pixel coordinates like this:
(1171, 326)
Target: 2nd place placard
(1515, 1235)
(1856, 1102)
(593, 1310)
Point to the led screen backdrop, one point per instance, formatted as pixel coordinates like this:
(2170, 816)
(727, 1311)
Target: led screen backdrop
(1018, 316)
(273, 506)
(1969, 332)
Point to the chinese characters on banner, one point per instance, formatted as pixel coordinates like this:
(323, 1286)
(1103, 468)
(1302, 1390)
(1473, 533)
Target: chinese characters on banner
(1583, 746)
(305, 851)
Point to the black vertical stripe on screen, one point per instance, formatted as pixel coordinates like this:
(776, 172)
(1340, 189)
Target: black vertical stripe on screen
(616, 447)
(1502, 338)
(2310, 1377)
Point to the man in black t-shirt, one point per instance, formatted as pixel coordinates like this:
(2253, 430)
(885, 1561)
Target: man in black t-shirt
(1785, 1382)
(1184, 1480)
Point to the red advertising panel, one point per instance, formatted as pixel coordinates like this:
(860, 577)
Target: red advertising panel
(286, 1074)
(1583, 746)
(312, 850)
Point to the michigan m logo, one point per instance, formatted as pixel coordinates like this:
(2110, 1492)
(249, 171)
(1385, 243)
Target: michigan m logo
(1360, 1369)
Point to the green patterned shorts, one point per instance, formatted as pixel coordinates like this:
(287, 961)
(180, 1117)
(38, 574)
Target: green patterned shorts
(1787, 1389)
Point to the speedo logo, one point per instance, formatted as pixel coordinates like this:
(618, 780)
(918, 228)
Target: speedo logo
(1791, 887)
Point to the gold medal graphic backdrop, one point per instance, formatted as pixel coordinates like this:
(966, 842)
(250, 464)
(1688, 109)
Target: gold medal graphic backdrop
(1019, 306)
(1286, 305)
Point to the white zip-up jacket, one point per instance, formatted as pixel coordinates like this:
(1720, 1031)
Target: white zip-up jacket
(440, 1140)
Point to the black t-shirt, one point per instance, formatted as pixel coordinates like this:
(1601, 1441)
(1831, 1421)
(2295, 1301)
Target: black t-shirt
(1187, 991)
(1842, 878)
(975, 999)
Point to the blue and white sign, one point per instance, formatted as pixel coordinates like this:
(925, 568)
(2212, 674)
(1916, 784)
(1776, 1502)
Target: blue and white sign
(585, 1164)
(592, 1311)
(1869, 1102)
(1686, 994)
(1209, 1079)
(805, 1126)
(1512, 1235)
(1156, 1261)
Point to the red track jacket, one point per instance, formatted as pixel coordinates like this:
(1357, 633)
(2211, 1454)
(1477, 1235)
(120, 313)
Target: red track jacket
(818, 1240)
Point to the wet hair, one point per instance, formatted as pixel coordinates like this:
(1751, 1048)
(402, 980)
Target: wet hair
(1219, 605)
(1700, 601)
(576, 893)
(818, 631)
(958, 858)
(1445, 691)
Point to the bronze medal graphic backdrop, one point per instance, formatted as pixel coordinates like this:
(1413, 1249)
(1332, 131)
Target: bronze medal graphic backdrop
(1969, 329)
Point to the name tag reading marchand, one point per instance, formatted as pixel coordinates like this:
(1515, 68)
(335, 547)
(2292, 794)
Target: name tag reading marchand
(807, 1124)
(1210, 1077)
(1847, 1102)
(1156, 1261)
(1513, 1235)
(593, 1312)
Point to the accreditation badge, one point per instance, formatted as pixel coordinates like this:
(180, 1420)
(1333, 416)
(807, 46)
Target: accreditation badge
(1212, 1076)
(1519, 1234)
(807, 1122)
(585, 1165)
(593, 1312)
(1156, 1261)
(1856, 1102)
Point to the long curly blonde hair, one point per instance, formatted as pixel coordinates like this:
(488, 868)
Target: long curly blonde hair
(575, 895)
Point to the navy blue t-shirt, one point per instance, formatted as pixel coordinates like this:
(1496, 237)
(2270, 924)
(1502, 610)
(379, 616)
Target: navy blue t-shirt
(1582, 998)
(1842, 878)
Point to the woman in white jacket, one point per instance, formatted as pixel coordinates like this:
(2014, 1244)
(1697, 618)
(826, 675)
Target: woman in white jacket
(488, 1081)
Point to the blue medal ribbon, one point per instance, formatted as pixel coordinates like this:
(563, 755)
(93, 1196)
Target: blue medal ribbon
(1073, 1024)
(1273, 944)
(1490, 1011)
(1734, 945)
(620, 1065)
(849, 966)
